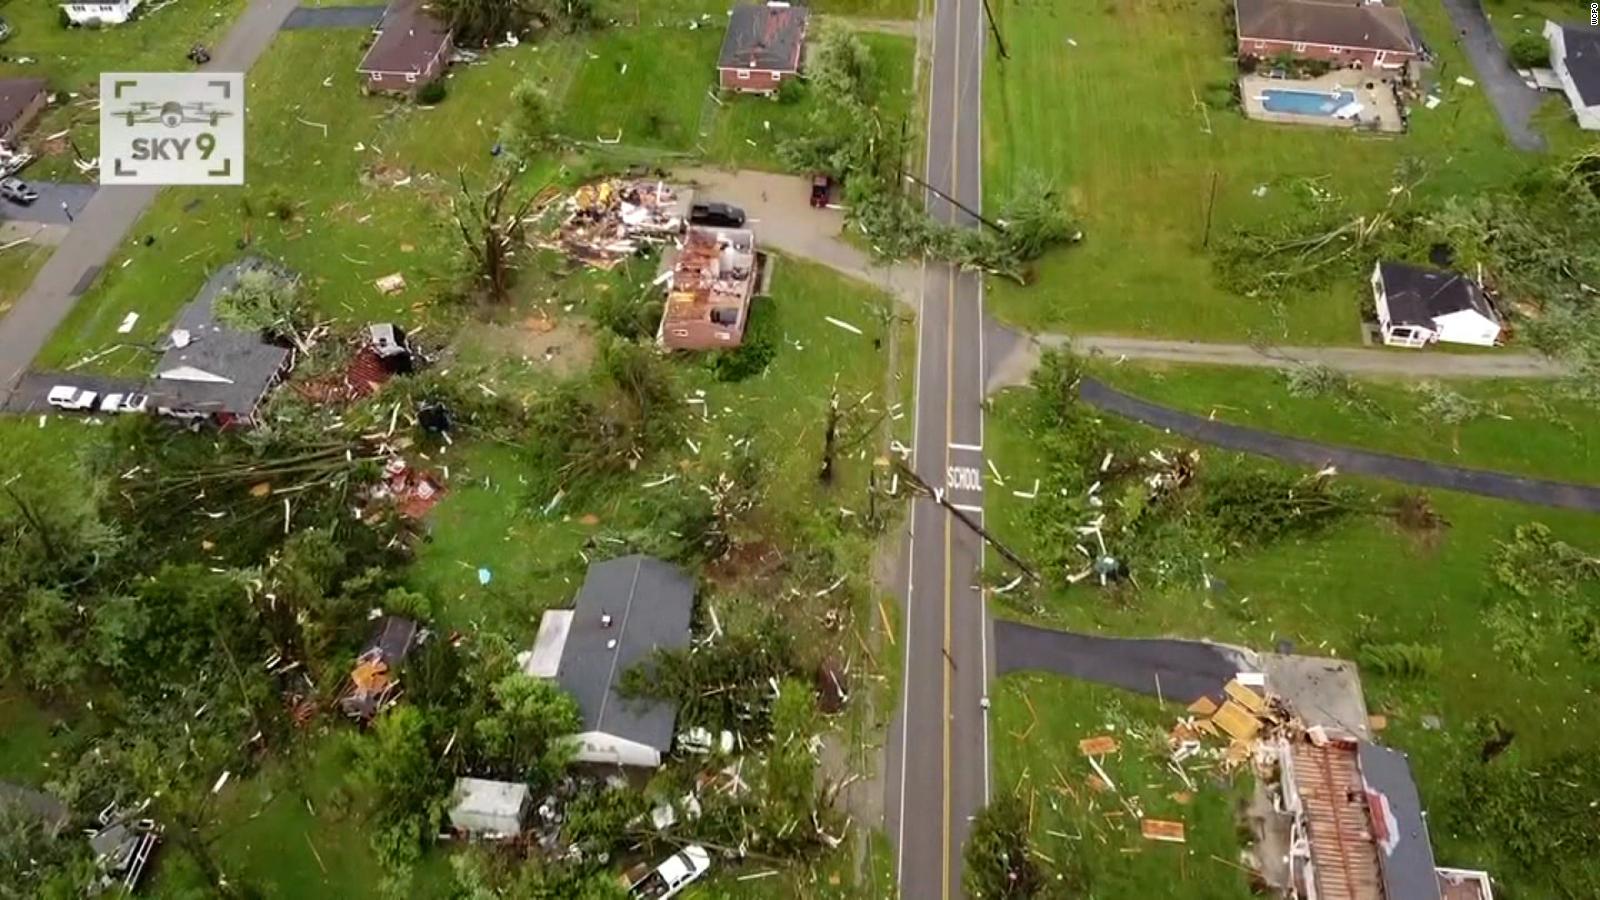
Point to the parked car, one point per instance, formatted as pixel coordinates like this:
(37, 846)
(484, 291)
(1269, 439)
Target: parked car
(717, 215)
(64, 396)
(821, 189)
(670, 878)
(124, 403)
(17, 191)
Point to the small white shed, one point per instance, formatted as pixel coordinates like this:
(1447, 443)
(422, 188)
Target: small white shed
(490, 809)
(1417, 306)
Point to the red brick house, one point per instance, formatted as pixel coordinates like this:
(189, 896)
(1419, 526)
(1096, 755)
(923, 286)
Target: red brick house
(1362, 35)
(20, 101)
(708, 295)
(764, 45)
(412, 49)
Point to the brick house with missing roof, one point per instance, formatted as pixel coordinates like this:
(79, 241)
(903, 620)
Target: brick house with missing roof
(1361, 35)
(21, 99)
(412, 49)
(713, 278)
(763, 46)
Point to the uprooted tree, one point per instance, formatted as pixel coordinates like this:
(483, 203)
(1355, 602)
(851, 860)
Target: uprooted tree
(492, 232)
(483, 22)
(269, 302)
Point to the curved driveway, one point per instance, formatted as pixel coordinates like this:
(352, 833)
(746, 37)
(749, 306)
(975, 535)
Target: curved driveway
(1360, 462)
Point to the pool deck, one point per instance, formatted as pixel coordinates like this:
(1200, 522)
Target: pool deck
(1380, 111)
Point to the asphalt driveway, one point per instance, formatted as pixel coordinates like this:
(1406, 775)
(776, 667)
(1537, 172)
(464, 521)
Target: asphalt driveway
(1514, 102)
(48, 209)
(31, 391)
(1176, 670)
(334, 17)
(1349, 460)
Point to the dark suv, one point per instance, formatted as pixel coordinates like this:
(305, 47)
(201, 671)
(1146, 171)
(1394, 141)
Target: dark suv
(717, 215)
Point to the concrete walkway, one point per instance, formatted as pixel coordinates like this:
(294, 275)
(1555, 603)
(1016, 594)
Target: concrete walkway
(108, 217)
(1177, 670)
(1407, 470)
(1013, 366)
(1513, 101)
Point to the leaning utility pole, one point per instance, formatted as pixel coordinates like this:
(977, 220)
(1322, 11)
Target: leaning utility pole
(999, 42)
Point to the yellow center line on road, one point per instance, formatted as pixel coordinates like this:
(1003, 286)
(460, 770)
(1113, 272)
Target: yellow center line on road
(945, 861)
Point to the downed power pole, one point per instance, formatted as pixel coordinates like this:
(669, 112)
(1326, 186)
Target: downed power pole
(961, 516)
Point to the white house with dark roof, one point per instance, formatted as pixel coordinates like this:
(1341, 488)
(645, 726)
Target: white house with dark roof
(210, 369)
(100, 12)
(1417, 306)
(1575, 58)
(627, 609)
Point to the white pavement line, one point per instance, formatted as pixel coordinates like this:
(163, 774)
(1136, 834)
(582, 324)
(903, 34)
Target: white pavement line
(976, 448)
(967, 508)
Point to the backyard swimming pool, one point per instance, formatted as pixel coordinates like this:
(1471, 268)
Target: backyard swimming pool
(1305, 103)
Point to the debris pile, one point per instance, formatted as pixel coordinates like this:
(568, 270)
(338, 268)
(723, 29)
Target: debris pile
(1245, 718)
(612, 220)
(122, 846)
(412, 492)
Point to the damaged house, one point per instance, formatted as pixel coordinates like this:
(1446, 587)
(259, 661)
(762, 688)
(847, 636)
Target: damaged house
(211, 370)
(764, 45)
(627, 609)
(713, 276)
(1357, 828)
(375, 680)
(412, 49)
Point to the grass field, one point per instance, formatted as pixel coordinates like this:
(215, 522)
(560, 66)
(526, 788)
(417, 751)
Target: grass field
(1116, 119)
(1520, 429)
(18, 265)
(1037, 720)
(1366, 580)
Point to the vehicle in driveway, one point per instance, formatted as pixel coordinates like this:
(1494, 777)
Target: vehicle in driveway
(64, 396)
(124, 403)
(716, 215)
(17, 191)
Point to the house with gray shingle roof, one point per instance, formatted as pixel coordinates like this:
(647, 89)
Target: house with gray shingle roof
(210, 369)
(628, 608)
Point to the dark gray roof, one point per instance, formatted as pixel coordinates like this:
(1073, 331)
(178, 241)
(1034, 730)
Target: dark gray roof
(47, 809)
(649, 602)
(764, 37)
(1348, 24)
(249, 364)
(1405, 855)
(15, 96)
(1417, 295)
(410, 38)
(394, 637)
(1583, 61)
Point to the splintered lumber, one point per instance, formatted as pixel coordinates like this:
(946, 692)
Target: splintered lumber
(1162, 830)
(1204, 706)
(1236, 721)
(1245, 697)
(1098, 746)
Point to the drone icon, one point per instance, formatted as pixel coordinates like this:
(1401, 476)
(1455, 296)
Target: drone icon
(171, 113)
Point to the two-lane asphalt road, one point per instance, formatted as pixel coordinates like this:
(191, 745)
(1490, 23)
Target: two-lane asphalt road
(939, 751)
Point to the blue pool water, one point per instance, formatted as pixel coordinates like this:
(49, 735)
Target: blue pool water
(1304, 103)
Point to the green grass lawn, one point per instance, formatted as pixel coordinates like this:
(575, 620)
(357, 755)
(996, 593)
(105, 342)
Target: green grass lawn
(1524, 427)
(1116, 120)
(1036, 721)
(1366, 579)
(748, 129)
(18, 265)
(487, 520)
